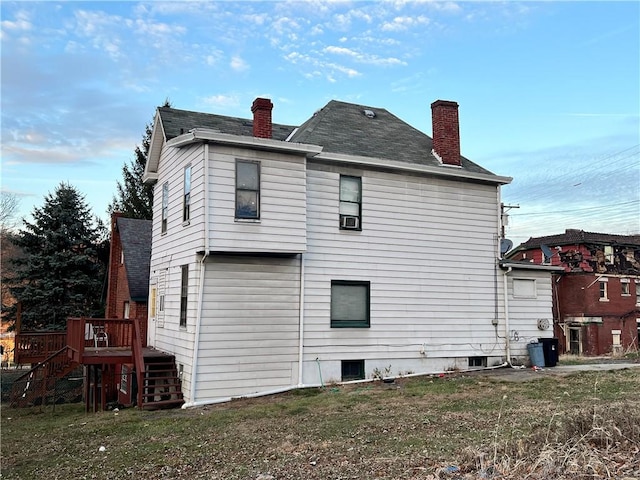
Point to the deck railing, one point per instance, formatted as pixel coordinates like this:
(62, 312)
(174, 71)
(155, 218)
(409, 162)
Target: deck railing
(86, 332)
(34, 347)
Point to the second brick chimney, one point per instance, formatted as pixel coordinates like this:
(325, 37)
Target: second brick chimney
(262, 126)
(446, 131)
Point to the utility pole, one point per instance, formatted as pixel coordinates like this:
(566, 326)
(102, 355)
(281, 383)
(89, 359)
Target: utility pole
(504, 218)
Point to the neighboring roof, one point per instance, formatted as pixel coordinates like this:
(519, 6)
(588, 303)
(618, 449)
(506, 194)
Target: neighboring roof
(177, 122)
(578, 237)
(345, 128)
(135, 236)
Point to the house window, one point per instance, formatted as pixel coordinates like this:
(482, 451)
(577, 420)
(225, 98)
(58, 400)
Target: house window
(350, 304)
(477, 361)
(608, 254)
(124, 379)
(604, 290)
(165, 206)
(186, 199)
(637, 292)
(352, 370)
(247, 189)
(161, 303)
(125, 313)
(350, 203)
(184, 290)
(625, 287)
(152, 302)
(524, 288)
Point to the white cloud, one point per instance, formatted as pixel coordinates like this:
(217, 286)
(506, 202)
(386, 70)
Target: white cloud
(404, 23)
(320, 67)
(256, 18)
(363, 57)
(20, 24)
(145, 27)
(238, 64)
(222, 101)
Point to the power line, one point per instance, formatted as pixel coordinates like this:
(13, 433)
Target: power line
(577, 209)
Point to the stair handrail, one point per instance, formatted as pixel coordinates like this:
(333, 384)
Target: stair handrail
(138, 359)
(32, 370)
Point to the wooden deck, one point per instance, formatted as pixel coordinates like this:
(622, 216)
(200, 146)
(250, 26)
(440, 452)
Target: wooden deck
(103, 346)
(116, 355)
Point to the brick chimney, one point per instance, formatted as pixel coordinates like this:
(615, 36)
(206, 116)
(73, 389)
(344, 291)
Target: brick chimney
(261, 109)
(446, 131)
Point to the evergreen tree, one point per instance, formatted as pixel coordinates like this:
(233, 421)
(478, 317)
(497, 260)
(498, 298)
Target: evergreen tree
(60, 273)
(135, 198)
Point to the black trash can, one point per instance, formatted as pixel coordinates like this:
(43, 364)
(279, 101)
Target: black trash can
(550, 350)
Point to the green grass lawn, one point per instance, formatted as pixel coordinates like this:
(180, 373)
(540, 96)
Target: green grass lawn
(461, 426)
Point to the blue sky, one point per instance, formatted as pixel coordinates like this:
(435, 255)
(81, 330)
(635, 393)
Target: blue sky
(548, 91)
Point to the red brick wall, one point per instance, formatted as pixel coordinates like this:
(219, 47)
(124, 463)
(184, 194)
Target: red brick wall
(446, 131)
(262, 126)
(115, 274)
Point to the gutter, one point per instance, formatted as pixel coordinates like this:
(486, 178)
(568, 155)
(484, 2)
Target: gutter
(439, 171)
(203, 268)
(506, 317)
(256, 143)
(301, 323)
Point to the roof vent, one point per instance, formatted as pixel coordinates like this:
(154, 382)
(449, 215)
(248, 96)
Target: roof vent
(370, 114)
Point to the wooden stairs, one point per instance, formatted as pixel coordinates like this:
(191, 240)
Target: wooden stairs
(37, 385)
(161, 385)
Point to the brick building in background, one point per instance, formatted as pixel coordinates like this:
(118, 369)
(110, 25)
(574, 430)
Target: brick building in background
(596, 300)
(128, 288)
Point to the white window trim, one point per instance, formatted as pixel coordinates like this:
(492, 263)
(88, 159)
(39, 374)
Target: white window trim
(605, 281)
(626, 281)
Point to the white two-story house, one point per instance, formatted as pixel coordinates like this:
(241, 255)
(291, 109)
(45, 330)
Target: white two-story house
(349, 246)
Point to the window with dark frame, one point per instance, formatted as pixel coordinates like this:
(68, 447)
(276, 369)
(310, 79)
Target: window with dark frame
(165, 206)
(184, 290)
(186, 202)
(350, 304)
(350, 203)
(247, 190)
(352, 370)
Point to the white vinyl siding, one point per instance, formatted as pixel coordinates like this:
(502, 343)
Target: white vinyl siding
(526, 310)
(429, 252)
(249, 333)
(282, 223)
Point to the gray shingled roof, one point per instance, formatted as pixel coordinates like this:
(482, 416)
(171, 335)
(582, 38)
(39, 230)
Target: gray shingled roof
(135, 236)
(177, 122)
(344, 128)
(573, 237)
(339, 127)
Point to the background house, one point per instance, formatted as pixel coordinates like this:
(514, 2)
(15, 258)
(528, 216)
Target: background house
(351, 245)
(128, 281)
(597, 294)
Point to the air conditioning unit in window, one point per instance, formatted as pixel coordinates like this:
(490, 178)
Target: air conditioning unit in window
(349, 222)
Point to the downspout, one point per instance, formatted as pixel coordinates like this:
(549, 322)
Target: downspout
(301, 323)
(507, 335)
(196, 342)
